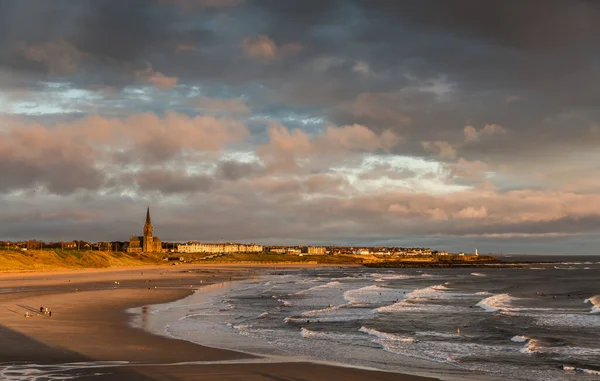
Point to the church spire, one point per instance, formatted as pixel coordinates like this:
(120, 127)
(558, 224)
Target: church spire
(148, 216)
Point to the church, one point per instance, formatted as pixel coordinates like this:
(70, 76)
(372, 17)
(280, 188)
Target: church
(146, 243)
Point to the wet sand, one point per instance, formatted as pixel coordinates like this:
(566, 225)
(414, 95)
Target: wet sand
(89, 331)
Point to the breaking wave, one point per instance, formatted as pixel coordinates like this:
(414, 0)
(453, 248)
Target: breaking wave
(519, 339)
(595, 301)
(500, 302)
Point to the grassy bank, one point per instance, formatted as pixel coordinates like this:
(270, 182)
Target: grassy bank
(45, 260)
(271, 258)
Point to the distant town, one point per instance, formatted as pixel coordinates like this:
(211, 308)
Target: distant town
(149, 243)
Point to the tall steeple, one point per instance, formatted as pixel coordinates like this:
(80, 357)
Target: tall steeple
(148, 240)
(148, 225)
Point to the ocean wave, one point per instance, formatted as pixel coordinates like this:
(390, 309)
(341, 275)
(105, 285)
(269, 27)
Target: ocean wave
(478, 274)
(567, 320)
(263, 314)
(372, 295)
(500, 302)
(393, 277)
(322, 319)
(439, 334)
(56, 372)
(432, 292)
(595, 301)
(386, 336)
(323, 335)
(519, 339)
(418, 307)
(332, 284)
(322, 311)
(343, 312)
(581, 370)
(413, 301)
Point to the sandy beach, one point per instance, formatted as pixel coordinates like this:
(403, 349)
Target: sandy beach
(89, 335)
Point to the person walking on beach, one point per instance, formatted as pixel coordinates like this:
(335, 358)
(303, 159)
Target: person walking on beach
(41, 310)
(49, 313)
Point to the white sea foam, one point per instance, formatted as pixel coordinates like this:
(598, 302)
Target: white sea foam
(595, 301)
(332, 284)
(478, 274)
(567, 320)
(393, 277)
(322, 311)
(372, 295)
(51, 372)
(321, 335)
(431, 292)
(420, 300)
(263, 314)
(386, 336)
(439, 334)
(500, 302)
(519, 339)
(322, 319)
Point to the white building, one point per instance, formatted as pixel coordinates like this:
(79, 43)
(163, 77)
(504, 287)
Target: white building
(197, 247)
(315, 250)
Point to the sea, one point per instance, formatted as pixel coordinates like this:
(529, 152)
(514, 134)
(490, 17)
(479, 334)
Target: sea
(536, 323)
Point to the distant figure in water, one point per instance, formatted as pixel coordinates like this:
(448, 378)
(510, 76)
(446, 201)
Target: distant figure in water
(50, 314)
(27, 314)
(458, 331)
(41, 310)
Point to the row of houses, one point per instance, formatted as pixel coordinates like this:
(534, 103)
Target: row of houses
(197, 247)
(310, 250)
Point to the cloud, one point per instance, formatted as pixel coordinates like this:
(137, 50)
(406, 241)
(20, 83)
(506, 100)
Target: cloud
(233, 170)
(82, 154)
(287, 149)
(443, 149)
(362, 67)
(204, 3)
(472, 134)
(470, 170)
(472, 213)
(60, 57)
(226, 106)
(183, 47)
(263, 48)
(156, 79)
(171, 182)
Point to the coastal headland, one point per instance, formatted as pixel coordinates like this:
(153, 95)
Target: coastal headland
(89, 336)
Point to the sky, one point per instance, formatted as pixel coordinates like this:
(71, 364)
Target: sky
(452, 125)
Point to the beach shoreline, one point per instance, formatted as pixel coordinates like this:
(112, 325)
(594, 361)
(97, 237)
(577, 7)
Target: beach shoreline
(90, 326)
